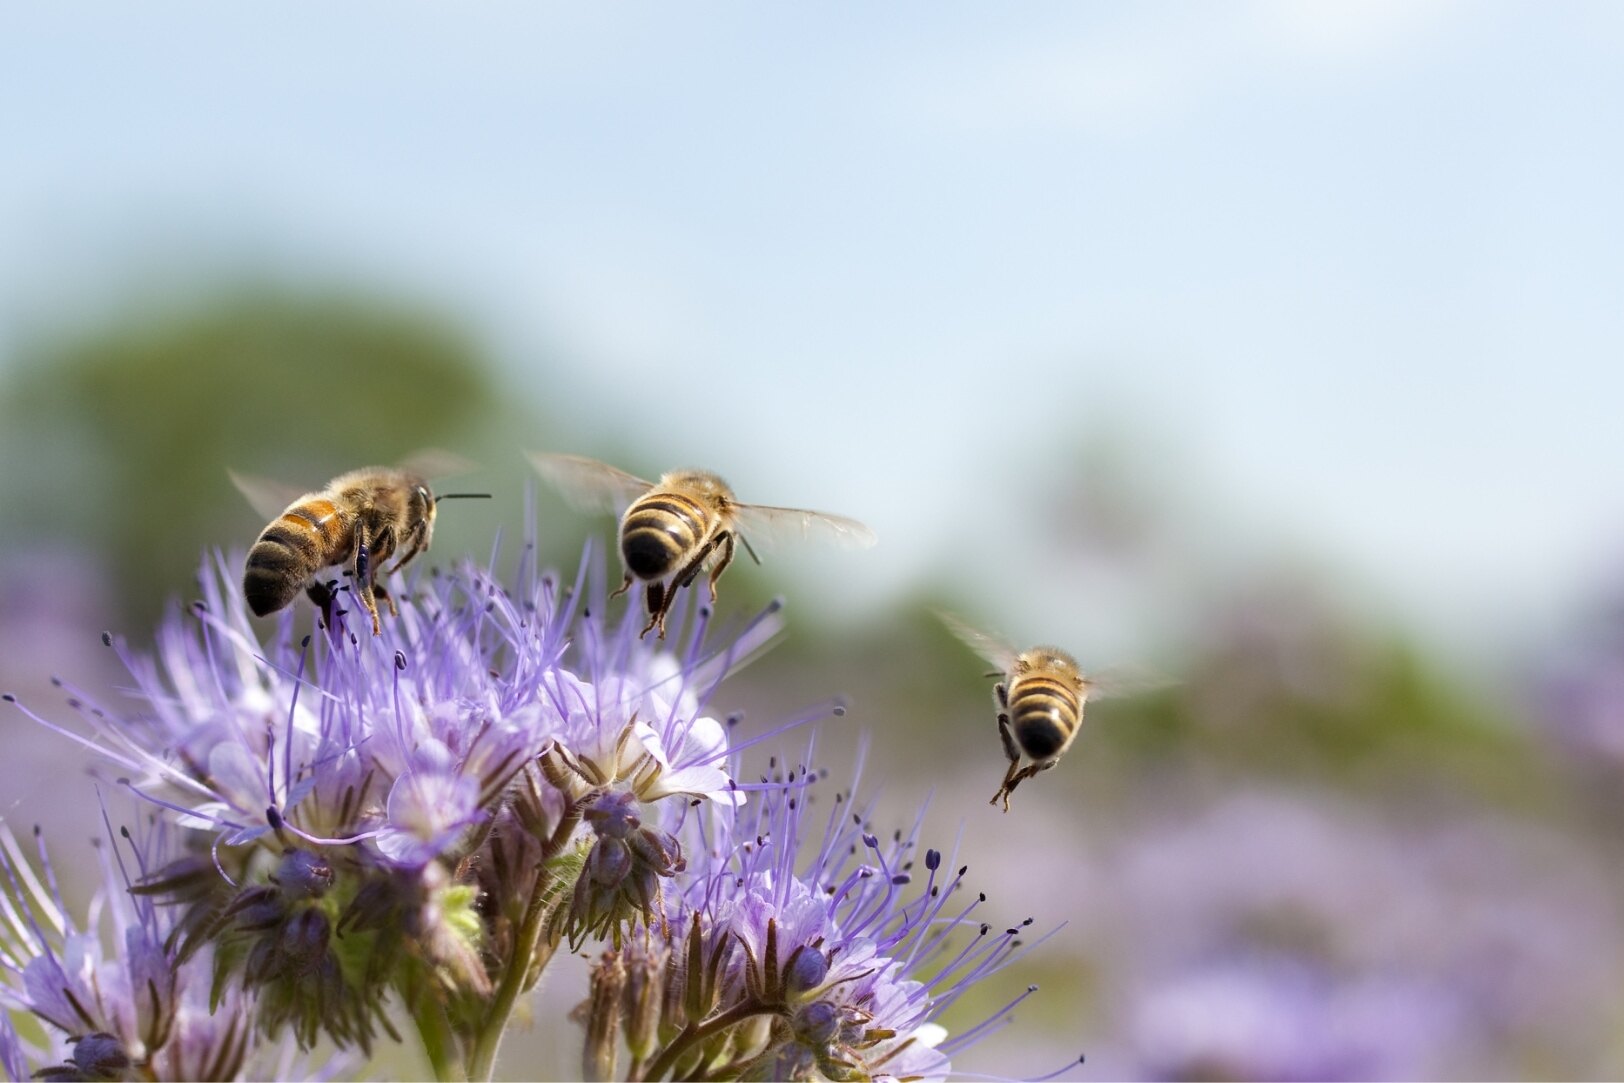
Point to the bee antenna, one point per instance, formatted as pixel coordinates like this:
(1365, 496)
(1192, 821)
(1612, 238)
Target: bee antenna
(462, 496)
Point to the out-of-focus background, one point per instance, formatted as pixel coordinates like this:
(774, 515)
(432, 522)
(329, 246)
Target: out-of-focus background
(1271, 347)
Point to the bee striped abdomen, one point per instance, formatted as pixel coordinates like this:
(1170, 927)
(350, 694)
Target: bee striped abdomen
(302, 541)
(657, 531)
(1044, 712)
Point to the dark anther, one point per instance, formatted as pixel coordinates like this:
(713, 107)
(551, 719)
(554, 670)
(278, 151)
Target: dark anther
(305, 642)
(274, 818)
(107, 639)
(985, 928)
(839, 711)
(8, 697)
(400, 660)
(933, 860)
(981, 896)
(901, 878)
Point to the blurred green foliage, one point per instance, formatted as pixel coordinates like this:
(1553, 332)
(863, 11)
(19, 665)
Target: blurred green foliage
(118, 439)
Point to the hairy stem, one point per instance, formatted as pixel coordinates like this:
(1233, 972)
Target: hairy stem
(694, 1033)
(527, 960)
(439, 1041)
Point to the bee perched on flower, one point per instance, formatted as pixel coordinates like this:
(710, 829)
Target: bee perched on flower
(364, 834)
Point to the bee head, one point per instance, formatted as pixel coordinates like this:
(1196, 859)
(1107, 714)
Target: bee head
(703, 485)
(1048, 660)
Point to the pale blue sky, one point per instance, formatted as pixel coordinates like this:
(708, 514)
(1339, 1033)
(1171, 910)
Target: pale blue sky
(1340, 280)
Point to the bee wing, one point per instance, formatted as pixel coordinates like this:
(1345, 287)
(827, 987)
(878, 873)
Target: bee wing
(764, 525)
(1124, 680)
(990, 647)
(588, 484)
(436, 462)
(269, 498)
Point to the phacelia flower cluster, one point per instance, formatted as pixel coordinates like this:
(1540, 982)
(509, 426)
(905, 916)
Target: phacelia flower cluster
(357, 834)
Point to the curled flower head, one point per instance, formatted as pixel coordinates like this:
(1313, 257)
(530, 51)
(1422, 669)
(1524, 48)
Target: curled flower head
(117, 998)
(362, 827)
(362, 816)
(804, 948)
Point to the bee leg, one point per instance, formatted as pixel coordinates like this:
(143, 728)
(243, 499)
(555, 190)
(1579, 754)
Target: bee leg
(1001, 694)
(659, 600)
(382, 593)
(414, 546)
(1011, 780)
(690, 570)
(722, 562)
(322, 594)
(1010, 749)
(1017, 777)
(625, 585)
(364, 571)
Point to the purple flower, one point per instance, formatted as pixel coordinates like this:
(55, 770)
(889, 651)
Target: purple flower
(359, 827)
(372, 818)
(115, 994)
(804, 947)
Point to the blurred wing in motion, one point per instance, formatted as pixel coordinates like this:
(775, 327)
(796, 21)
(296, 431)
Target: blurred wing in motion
(990, 647)
(269, 498)
(765, 525)
(587, 484)
(1115, 682)
(434, 462)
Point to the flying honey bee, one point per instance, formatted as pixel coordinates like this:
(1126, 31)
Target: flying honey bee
(1040, 701)
(361, 519)
(673, 529)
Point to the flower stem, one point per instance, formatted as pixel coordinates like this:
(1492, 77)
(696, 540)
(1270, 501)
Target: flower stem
(698, 1032)
(528, 958)
(434, 1028)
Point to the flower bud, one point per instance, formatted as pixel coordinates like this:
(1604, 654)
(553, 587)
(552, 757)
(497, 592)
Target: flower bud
(644, 963)
(101, 1056)
(304, 941)
(609, 863)
(805, 971)
(303, 875)
(603, 1019)
(817, 1024)
(614, 815)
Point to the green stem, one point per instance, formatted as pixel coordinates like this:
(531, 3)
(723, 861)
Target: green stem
(528, 957)
(694, 1033)
(439, 1042)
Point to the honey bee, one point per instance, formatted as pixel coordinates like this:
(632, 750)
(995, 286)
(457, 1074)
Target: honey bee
(361, 519)
(673, 529)
(1040, 702)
